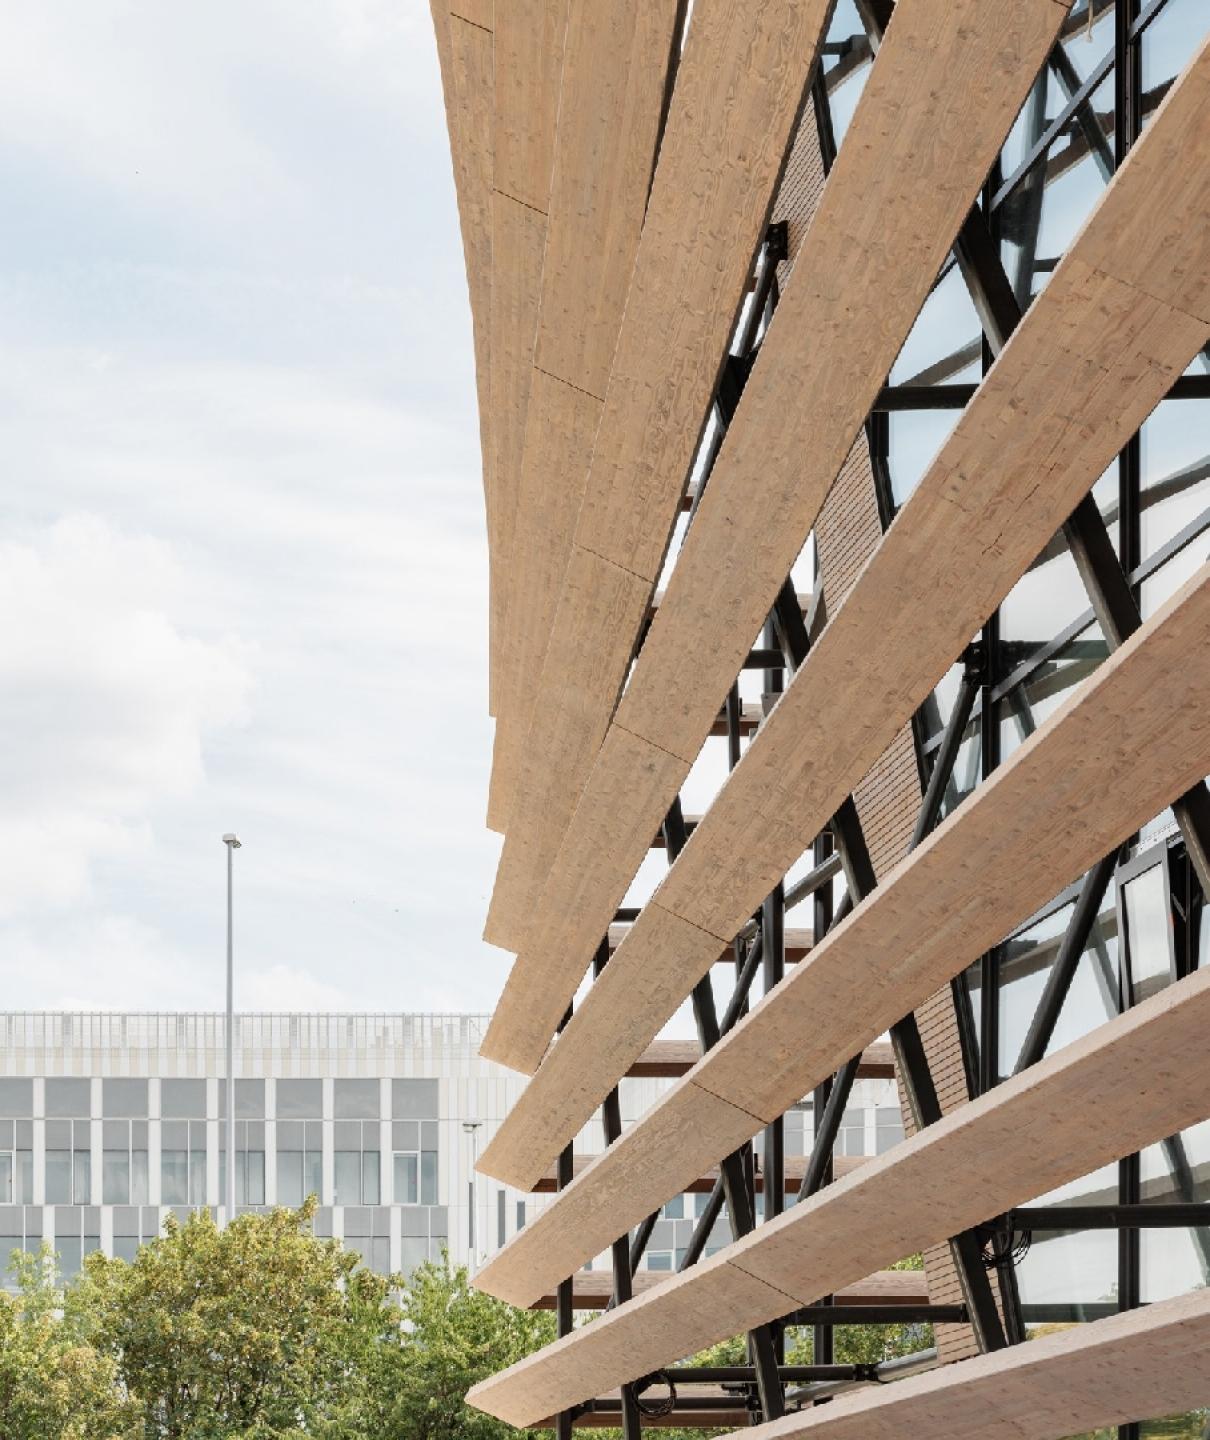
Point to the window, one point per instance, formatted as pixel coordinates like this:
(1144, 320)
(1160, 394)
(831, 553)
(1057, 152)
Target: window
(520, 1214)
(851, 1140)
(128, 1232)
(183, 1099)
(415, 1162)
(17, 1098)
(68, 1162)
(77, 1231)
(183, 1162)
(20, 1229)
(299, 1099)
(299, 1160)
(68, 1099)
(675, 1208)
(357, 1160)
(124, 1162)
(500, 1222)
(16, 1165)
(1147, 916)
(368, 1232)
(414, 1099)
(356, 1099)
(249, 1099)
(888, 1130)
(249, 1157)
(123, 1099)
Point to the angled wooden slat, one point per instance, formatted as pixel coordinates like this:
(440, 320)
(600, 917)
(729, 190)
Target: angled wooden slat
(1136, 736)
(670, 1059)
(1139, 1365)
(704, 1183)
(528, 40)
(1091, 359)
(466, 54)
(616, 62)
(1126, 1085)
(592, 1289)
(739, 86)
(905, 177)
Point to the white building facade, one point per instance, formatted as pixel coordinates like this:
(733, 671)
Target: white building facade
(110, 1121)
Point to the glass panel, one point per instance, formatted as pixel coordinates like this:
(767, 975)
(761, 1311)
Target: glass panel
(6, 1180)
(1047, 597)
(406, 1187)
(370, 1191)
(123, 1099)
(1148, 932)
(82, 1178)
(197, 1177)
(428, 1177)
(1038, 696)
(1066, 1277)
(313, 1172)
(414, 1099)
(356, 1099)
(299, 1099)
(58, 1177)
(25, 1178)
(414, 1251)
(348, 1177)
(68, 1249)
(125, 1247)
(67, 1097)
(183, 1099)
(115, 1177)
(289, 1177)
(17, 1097)
(1169, 41)
(254, 1170)
(174, 1177)
(1175, 471)
(139, 1188)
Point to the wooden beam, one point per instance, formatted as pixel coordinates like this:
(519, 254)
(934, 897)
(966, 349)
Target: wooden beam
(703, 1184)
(670, 1059)
(616, 62)
(740, 84)
(529, 37)
(1093, 356)
(466, 50)
(904, 179)
(592, 1289)
(1133, 739)
(1139, 1365)
(1124, 1086)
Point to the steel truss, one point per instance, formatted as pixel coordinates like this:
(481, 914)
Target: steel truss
(992, 671)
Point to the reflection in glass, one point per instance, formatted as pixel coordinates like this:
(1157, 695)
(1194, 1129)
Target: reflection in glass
(1042, 692)
(1148, 932)
(1025, 965)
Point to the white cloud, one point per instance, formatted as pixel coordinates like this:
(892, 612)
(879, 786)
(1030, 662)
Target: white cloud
(286, 987)
(107, 703)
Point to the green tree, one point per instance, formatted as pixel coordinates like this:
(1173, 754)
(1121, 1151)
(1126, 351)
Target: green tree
(258, 1331)
(452, 1336)
(53, 1384)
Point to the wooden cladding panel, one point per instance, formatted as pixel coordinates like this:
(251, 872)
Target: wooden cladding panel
(1120, 1088)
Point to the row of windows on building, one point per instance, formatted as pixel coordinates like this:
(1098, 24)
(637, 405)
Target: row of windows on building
(390, 1239)
(91, 1159)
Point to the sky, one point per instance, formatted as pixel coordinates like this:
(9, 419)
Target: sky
(242, 557)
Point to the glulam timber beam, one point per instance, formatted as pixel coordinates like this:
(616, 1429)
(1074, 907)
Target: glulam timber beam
(1124, 1086)
(1123, 315)
(904, 180)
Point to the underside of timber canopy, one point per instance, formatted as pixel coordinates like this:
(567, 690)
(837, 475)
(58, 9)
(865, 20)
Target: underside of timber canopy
(843, 381)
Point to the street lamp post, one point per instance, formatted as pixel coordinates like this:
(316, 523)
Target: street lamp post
(471, 1128)
(232, 844)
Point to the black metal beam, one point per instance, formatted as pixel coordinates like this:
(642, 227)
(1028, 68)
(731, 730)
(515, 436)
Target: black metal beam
(1061, 1218)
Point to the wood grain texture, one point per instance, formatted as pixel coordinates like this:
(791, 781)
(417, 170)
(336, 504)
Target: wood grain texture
(536, 1128)
(1125, 745)
(600, 609)
(518, 242)
(553, 962)
(560, 424)
(1091, 359)
(739, 86)
(615, 72)
(529, 68)
(795, 1165)
(592, 1289)
(466, 55)
(1142, 1364)
(904, 179)
(1126, 1085)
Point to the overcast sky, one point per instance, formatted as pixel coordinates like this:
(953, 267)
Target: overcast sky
(242, 559)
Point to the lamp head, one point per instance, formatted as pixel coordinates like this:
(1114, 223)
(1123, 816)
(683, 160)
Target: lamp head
(231, 840)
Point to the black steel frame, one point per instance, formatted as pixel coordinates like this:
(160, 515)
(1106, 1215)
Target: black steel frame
(993, 674)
